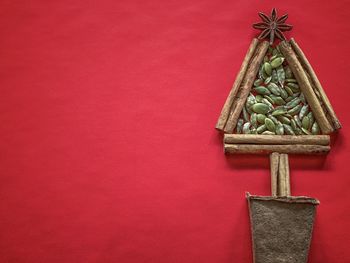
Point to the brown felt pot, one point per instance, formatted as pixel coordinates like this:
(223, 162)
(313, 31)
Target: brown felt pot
(281, 228)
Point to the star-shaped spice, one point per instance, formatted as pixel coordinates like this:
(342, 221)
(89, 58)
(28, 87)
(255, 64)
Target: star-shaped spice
(272, 26)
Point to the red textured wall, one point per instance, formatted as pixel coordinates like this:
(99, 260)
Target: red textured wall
(108, 150)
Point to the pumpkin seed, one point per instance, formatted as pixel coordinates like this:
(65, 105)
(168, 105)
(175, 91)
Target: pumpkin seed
(305, 123)
(302, 98)
(270, 125)
(261, 129)
(293, 124)
(294, 110)
(277, 100)
(311, 117)
(246, 127)
(268, 68)
(245, 114)
(304, 110)
(283, 119)
(239, 125)
(268, 80)
(288, 72)
(277, 62)
(253, 120)
(278, 112)
(261, 108)
(253, 131)
(262, 90)
(288, 130)
(260, 118)
(258, 82)
(315, 129)
(268, 133)
(273, 118)
(274, 88)
(293, 86)
(297, 120)
(258, 98)
(284, 93)
(292, 103)
(291, 80)
(289, 90)
(306, 131)
(281, 75)
(274, 76)
(267, 102)
(279, 129)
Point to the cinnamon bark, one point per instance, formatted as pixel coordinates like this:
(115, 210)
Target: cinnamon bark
(316, 84)
(305, 87)
(283, 175)
(220, 125)
(276, 139)
(244, 89)
(267, 149)
(274, 161)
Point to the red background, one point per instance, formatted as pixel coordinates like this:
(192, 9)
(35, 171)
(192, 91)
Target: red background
(108, 146)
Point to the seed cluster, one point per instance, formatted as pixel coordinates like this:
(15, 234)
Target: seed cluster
(276, 105)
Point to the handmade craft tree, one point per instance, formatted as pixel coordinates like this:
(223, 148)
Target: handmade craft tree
(277, 106)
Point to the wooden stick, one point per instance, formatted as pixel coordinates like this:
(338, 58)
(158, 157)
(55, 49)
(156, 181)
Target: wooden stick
(306, 87)
(267, 149)
(220, 125)
(283, 175)
(277, 139)
(316, 84)
(246, 86)
(274, 161)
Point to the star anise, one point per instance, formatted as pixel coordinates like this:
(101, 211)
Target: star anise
(272, 26)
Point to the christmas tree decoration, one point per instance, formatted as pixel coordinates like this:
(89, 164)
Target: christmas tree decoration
(278, 107)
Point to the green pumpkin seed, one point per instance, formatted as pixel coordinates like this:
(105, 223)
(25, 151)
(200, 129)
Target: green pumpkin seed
(253, 120)
(294, 110)
(262, 90)
(283, 119)
(258, 98)
(279, 129)
(278, 100)
(273, 118)
(253, 131)
(288, 130)
(291, 81)
(277, 62)
(262, 74)
(267, 102)
(239, 125)
(245, 114)
(302, 98)
(284, 93)
(289, 90)
(297, 120)
(306, 131)
(261, 129)
(292, 103)
(305, 123)
(269, 99)
(293, 86)
(246, 127)
(268, 68)
(304, 110)
(268, 133)
(268, 80)
(293, 124)
(311, 118)
(260, 118)
(315, 129)
(258, 82)
(274, 88)
(270, 125)
(274, 76)
(281, 75)
(278, 112)
(288, 72)
(261, 108)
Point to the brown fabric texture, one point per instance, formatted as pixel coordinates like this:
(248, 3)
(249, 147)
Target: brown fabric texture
(281, 228)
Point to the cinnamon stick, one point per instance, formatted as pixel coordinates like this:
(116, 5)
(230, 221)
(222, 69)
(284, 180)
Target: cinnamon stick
(283, 175)
(244, 89)
(274, 161)
(305, 87)
(220, 125)
(267, 149)
(277, 139)
(316, 84)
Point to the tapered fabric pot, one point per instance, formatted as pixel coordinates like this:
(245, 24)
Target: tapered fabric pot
(281, 228)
